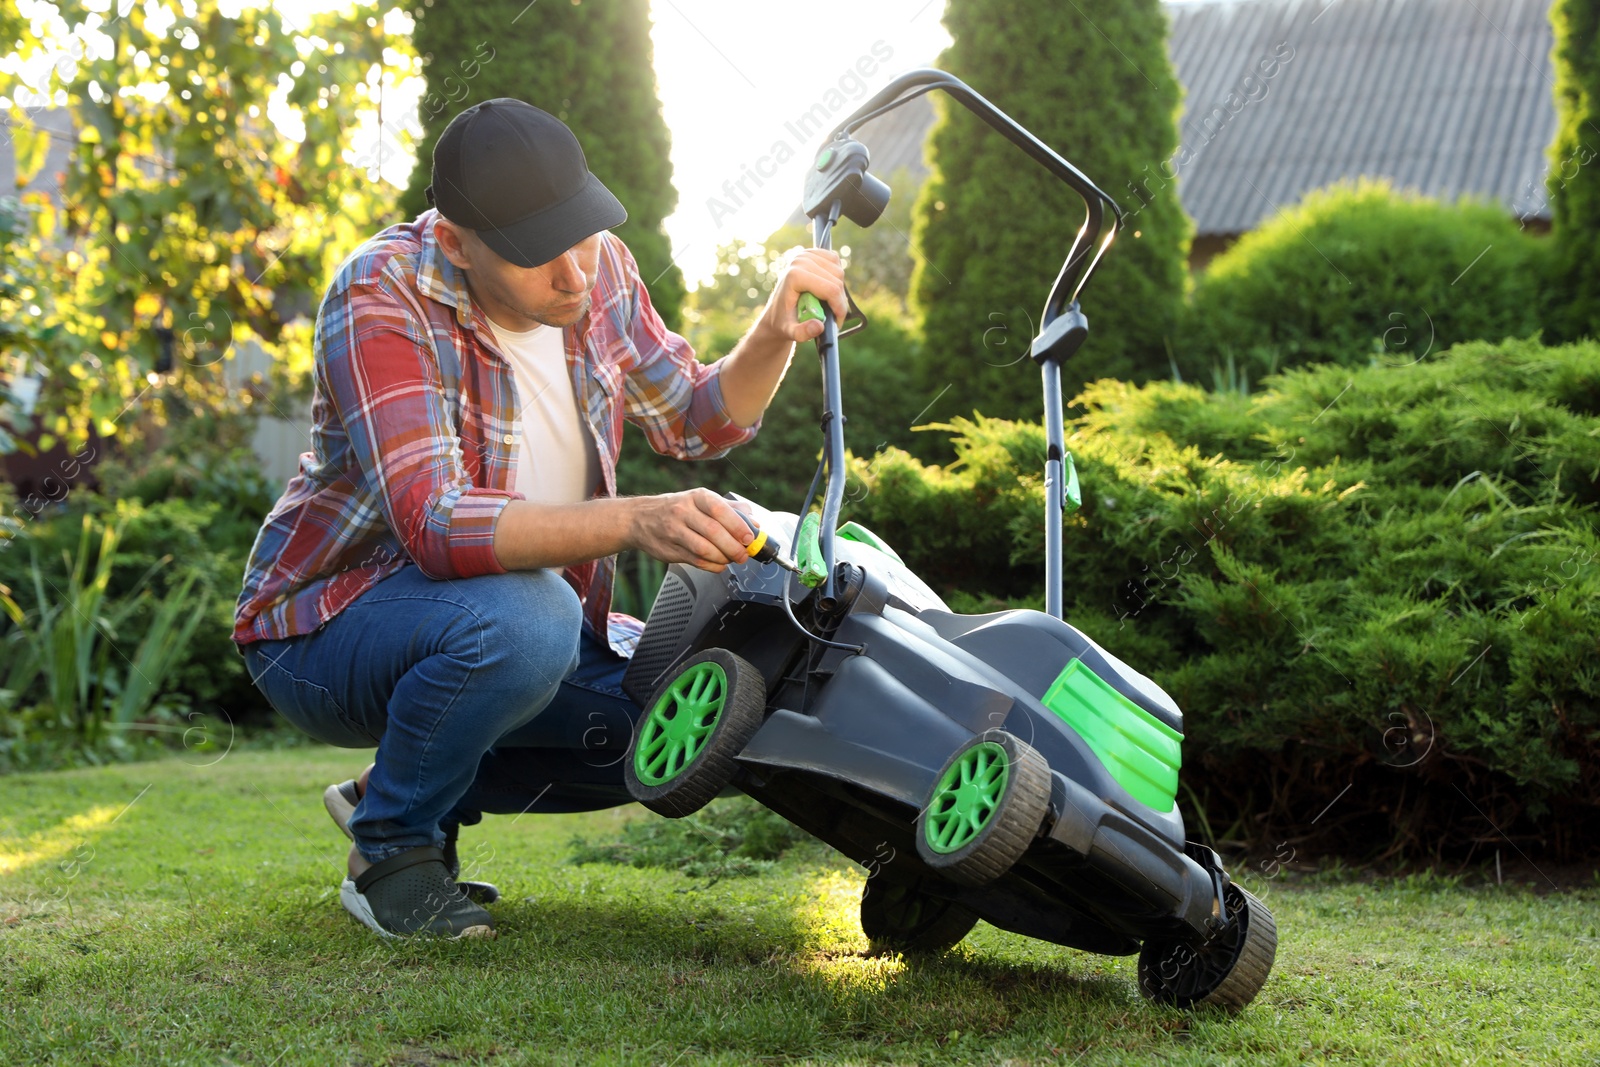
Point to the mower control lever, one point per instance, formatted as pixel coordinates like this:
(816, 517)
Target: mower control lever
(809, 308)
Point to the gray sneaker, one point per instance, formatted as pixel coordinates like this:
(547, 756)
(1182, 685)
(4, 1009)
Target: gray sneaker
(341, 799)
(413, 894)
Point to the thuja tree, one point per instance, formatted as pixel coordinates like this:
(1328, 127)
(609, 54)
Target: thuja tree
(1091, 80)
(589, 64)
(1574, 178)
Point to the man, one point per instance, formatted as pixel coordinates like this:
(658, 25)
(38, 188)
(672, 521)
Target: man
(437, 578)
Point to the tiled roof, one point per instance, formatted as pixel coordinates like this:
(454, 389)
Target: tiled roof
(1445, 96)
(896, 139)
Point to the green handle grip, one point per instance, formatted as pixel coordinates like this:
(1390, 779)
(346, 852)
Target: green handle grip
(808, 308)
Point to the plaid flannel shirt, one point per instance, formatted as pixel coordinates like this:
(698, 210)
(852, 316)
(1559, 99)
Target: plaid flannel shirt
(415, 433)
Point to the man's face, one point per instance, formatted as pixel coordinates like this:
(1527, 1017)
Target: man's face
(556, 293)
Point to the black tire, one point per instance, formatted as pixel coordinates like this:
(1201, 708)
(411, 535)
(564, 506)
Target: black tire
(1010, 825)
(1227, 973)
(712, 765)
(898, 916)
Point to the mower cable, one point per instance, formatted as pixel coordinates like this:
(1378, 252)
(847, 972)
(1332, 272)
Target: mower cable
(788, 609)
(825, 461)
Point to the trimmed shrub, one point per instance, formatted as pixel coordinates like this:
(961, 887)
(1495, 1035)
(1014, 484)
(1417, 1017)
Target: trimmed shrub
(1361, 274)
(1382, 576)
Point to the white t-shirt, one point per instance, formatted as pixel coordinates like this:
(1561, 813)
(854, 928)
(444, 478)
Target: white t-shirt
(558, 463)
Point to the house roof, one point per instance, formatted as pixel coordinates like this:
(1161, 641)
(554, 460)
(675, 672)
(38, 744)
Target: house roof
(1449, 97)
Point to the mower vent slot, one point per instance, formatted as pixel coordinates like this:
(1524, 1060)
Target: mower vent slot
(1141, 752)
(662, 639)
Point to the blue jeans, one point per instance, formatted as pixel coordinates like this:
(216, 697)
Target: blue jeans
(483, 694)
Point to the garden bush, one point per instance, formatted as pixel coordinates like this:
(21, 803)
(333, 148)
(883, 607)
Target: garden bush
(1091, 79)
(1381, 577)
(202, 538)
(1360, 274)
(1571, 181)
(87, 675)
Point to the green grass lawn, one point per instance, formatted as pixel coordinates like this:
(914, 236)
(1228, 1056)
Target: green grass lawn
(202, 925)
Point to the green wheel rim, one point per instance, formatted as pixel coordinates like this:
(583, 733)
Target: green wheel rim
(677, 727)
(967, 797)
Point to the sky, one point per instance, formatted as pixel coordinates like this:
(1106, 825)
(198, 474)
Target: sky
(733, 78)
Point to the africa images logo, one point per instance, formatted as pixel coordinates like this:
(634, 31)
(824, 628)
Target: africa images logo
(815, 120)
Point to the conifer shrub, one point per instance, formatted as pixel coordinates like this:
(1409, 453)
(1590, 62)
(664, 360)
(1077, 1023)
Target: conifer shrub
(1383, 577)
(1358, 274)
(1573, 176)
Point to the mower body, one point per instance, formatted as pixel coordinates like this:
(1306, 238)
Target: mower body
(854, 739)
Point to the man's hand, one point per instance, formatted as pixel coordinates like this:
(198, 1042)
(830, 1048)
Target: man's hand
(805, 270)
(696, 526)
(751, 372)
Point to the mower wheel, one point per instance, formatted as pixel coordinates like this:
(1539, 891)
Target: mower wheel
(683, 751)
(986, 808)
(898, 916)
(1228, 972)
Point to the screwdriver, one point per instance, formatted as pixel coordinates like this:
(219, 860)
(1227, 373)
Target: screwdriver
(765, 549)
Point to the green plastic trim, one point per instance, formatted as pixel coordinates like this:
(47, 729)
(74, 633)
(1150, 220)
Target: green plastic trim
(1074, 495)
(854, 531)
(676, 730)
(808, 552)
(967, 797)
(1141, 752)
(808, 307)
(824, 159)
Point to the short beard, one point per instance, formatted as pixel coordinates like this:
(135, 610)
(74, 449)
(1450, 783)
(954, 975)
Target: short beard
(566, 318)
(562, 320)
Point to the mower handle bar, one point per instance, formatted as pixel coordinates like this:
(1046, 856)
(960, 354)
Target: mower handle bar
(1087, 246)
(1082, 258)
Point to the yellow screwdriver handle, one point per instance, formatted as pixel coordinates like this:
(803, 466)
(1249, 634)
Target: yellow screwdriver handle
(755, 546)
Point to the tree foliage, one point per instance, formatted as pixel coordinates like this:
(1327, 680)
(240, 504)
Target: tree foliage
(1091, 80)
(208, 196)
(1574, 177)
(590, 65)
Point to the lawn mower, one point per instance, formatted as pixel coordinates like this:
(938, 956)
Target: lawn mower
(1003, 766)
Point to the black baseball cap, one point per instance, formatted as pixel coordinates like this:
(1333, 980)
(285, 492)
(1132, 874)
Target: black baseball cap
(517, 176)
